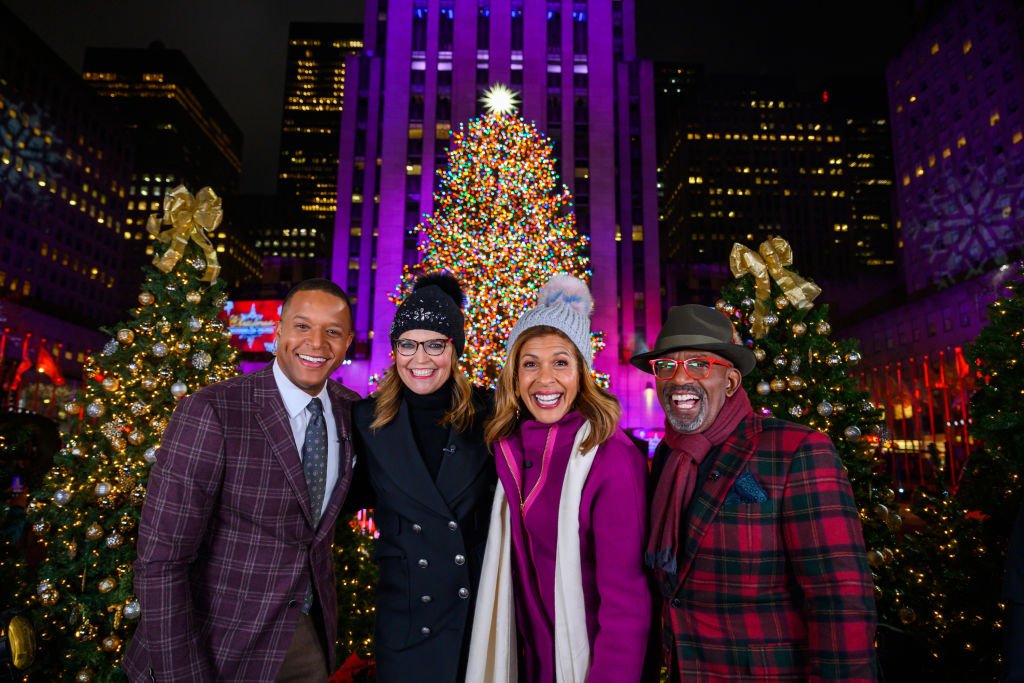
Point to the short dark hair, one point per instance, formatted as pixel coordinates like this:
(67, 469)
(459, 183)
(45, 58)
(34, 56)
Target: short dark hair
(318, 284)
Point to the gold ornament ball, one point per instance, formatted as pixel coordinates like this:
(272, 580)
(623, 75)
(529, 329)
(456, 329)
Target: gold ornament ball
(799, 329)
(759, 354)
(165, 327)
(126, 523)
(85, 676)
(796, 382)
(111, 643)
(781, 302)
(888, 495)
(145, 298)
(106, 585)
(86, 632)
(193, 297)
(71, 407)
(778, 384)
(875, 559)
(894, 521)
(119, 444)
(49, 597)
(182, 347)
(908, 615)
(138, 495)
(125, 336)
(887, 555)
(823, 328)
(148, 383)
(93, 532)
(136, 437)
(158, 425)
(880, 511)
(42, 527)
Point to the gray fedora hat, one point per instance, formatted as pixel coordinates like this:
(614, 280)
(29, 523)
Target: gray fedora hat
(693, 326)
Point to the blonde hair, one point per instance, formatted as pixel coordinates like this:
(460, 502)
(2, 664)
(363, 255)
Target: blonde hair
(389, 395)
(598, 406)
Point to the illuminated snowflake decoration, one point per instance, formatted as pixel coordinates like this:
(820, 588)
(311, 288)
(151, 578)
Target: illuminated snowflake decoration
(31, 154)
(500, 99)
(972, 219)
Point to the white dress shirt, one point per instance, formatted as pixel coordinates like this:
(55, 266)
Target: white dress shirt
(295, 403)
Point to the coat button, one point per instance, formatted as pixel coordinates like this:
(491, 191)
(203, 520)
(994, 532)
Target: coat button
(425, 630)
(676, 602)
(423, 563)
(463, 593)
(417, 528)
(715, 475)
(453, 526)
(426, 599)
(460, 559)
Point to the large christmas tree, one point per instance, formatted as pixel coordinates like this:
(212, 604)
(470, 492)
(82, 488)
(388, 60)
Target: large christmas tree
(502, 225)
(804, 376)
(88, 508)
(978, 521)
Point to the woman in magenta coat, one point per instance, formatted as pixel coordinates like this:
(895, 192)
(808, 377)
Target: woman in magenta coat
(563, 596)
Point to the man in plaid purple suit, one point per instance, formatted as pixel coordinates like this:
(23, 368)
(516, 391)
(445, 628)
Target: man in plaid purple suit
(755, 540)
(234, 573)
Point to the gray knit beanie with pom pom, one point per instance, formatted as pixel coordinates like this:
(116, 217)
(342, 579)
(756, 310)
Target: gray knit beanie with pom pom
(564, 303)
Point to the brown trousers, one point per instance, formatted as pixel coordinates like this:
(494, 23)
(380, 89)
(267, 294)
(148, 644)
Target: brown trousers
(305, 661)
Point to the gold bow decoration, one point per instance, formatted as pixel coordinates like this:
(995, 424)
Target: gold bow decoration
(767, 264)
(190, 218)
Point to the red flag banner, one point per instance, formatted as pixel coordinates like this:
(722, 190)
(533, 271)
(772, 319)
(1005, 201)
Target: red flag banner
(47, 365)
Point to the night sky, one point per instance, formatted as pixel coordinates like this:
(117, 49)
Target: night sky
(239, 46)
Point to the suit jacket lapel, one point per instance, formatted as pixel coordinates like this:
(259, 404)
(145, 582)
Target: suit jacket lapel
(273, 420)
(404, 464)
(341, 407)
(461, 465)
(711, 493)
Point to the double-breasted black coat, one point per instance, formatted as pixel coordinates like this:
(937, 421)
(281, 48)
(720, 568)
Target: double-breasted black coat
(431, 544)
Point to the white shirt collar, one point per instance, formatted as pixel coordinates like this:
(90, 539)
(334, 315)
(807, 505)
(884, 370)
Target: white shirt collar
(295, 399)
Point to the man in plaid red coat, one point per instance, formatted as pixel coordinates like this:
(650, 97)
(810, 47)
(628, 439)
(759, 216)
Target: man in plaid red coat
(755, 540)
(234, 574)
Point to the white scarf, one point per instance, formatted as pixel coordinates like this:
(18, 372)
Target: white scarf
(492, 650)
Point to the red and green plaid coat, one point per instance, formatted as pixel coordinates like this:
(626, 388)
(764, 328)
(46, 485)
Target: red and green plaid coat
(777, 590)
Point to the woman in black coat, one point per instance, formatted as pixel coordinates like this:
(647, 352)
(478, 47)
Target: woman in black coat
(424, 468)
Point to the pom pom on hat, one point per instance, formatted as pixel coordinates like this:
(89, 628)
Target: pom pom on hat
(564, 303)
(568, 291)
(448, 284)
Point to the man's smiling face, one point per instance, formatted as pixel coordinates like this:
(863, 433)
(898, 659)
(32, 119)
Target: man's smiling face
(312, 338)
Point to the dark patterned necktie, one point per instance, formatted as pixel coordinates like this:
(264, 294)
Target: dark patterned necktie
(314, 466)
(314, 457)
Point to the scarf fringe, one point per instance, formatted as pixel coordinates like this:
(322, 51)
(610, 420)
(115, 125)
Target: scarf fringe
(664, 560)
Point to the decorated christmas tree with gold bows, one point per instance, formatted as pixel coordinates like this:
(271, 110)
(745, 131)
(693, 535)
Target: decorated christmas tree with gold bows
(87, 511)
(804, 376)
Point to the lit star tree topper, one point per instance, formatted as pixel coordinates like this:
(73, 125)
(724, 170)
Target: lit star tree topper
(502, 225)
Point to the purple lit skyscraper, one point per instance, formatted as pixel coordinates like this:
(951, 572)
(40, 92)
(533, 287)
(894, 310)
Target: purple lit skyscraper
(424, 67)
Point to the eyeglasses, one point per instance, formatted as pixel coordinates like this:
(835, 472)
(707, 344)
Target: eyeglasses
(433, 347)
(695, 368)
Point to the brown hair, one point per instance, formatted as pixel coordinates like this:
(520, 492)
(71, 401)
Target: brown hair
(598, 406)
(389, 395)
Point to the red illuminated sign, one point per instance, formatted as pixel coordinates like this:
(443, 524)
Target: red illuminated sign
(252, 323)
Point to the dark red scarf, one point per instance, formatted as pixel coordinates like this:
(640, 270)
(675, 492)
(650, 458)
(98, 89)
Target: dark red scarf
(678, 480)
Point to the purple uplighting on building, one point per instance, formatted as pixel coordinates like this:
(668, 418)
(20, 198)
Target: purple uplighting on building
(424, 67)
(956, 95)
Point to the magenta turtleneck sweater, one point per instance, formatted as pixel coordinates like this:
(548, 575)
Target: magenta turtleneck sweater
(531, 465)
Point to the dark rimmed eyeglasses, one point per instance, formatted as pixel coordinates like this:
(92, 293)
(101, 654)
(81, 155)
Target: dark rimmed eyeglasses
(433, 347)
(695, 368)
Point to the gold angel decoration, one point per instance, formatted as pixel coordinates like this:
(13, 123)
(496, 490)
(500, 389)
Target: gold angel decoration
(766, 264)
(189, 218)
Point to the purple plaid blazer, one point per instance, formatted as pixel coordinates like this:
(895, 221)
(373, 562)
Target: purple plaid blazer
(774, 587)
(226, 539)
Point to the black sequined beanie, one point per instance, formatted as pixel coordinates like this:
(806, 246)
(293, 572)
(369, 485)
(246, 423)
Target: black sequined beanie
(435, 304)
